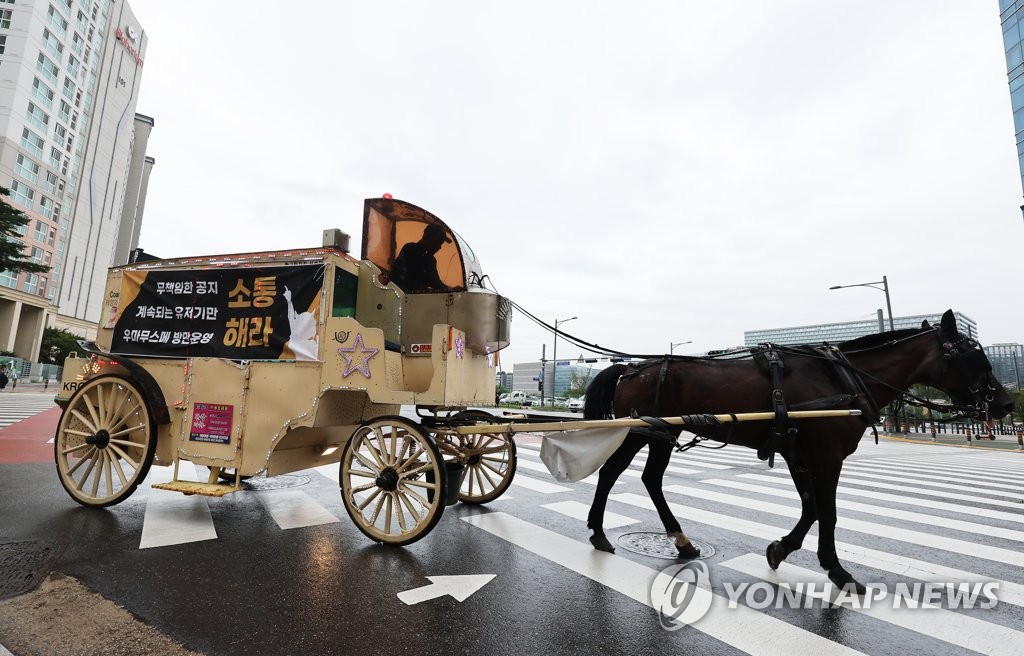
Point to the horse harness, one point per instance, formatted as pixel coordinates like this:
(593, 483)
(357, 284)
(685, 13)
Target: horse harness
(769, 357)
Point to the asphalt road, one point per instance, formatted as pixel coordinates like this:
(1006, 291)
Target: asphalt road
(284, 571)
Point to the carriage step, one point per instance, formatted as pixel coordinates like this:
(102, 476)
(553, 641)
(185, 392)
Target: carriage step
(192, 487)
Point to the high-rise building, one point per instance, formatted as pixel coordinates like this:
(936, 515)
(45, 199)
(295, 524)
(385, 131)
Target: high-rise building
(841, 332)
(1011, 12)
(72, 151)
(1007, 363)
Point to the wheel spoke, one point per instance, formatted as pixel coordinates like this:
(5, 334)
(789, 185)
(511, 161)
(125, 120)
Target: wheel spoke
(412, 472)
(482, 471)
(366, 463)
(128, 430)
(83, 445)
(90, 405)
(488, 466)
(101, 406)
(125, 417)
(377, 509)
(120, 472)
(99, 472)
(373, 452)
(364, 488)
(411, 459)
(106, 470)
(367, 501)
(387, 512)
(120, 408)
(404, 498)
(128, 444)
(85, 458)
(364, 474)
(124, 456)
(88, 424)
(416, 495)
(76, 433)
(399, 510)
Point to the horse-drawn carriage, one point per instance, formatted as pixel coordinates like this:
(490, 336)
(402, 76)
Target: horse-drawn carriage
(268, 363)
(273, 362)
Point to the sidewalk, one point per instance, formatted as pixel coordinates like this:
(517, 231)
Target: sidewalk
(1001, 443)
(25, 386)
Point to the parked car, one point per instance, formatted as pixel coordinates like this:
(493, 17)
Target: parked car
(576, 405)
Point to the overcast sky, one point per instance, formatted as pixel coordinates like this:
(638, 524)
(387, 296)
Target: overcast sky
(665, 171)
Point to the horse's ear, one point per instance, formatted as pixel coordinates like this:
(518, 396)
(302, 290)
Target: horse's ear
(925, 325)
(949, 323)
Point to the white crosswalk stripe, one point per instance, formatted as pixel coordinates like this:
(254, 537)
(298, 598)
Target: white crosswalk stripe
(900, 520)
(17, 406)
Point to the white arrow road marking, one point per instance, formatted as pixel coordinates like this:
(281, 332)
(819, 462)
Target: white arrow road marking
(460, 587)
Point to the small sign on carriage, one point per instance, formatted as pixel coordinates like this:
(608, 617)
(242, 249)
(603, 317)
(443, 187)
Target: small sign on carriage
(421, 349)
(211, 422)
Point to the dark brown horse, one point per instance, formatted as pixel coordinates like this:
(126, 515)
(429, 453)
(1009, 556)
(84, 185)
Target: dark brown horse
(865, 374)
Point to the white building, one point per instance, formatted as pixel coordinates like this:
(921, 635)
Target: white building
(69, 81)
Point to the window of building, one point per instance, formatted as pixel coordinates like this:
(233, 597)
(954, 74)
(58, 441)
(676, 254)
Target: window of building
(46, 209)
(51, 182)
(49, 241)
(32, 142)
(57, 21)
(65, 112)
(47, 68)
(3, 41)
(55, 157)
(42, 286)
(73, 65)
(30, 283)
(72, 183)
(42, 93)
(51, 294)
(26, 168)
(77, 43)
(5, 18)
(36, 255)
(52, 44)
(88, 102)
(8, 279)
(37, 117)
(59, 132)
(41, 230)
(69, 89)
(22, 194)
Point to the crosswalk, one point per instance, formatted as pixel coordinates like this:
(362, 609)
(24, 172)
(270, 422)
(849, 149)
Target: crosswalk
(15, 406)
(907, 515)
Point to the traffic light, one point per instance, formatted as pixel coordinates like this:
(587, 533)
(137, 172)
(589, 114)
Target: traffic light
(540, 385)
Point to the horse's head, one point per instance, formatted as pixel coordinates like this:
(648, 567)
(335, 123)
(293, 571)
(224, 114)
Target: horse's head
(965, 373)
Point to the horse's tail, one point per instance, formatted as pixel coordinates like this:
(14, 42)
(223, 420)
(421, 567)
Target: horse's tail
(601, 392)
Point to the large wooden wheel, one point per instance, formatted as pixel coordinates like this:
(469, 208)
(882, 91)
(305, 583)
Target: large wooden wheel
(393, 480)
(105, 441)
(489, 459)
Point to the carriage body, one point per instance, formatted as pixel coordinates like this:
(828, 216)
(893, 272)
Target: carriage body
(266, 363)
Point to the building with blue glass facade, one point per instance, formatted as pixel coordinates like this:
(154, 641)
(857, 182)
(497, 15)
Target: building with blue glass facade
(1011, 13)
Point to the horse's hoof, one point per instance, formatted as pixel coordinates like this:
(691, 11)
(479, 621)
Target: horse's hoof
(688, 550)
(845, 581)
(775, 553)
(601, 543)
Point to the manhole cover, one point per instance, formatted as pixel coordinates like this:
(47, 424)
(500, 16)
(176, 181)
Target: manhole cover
(659, 545)
(23, 565)
(275, 482)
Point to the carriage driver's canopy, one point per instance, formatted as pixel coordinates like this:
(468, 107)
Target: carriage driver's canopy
(415, 249)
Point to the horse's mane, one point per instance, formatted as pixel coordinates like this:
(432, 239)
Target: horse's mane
(878, 339)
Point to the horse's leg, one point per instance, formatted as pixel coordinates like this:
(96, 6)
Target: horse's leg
(779, 549)
(606, 477)
(825, 502)
(660, 452)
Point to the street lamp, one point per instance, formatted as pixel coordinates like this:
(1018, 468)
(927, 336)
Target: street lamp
(675, 344)
(554, 356)
(884, 282)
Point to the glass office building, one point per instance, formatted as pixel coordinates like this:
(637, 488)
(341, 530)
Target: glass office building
(1007, 363)
(841, 332)
(1011, 12)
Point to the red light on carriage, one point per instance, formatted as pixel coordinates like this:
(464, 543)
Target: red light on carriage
(387, 196)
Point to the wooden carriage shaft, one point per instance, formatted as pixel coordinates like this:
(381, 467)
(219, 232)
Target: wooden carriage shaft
(512, 428)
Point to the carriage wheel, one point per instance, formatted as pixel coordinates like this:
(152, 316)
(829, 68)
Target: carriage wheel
(105, 441)
(392, 480)
(490, 460)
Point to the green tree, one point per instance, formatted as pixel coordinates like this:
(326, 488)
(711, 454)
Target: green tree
(12, 257)
(57, 345)
(1018, 405)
